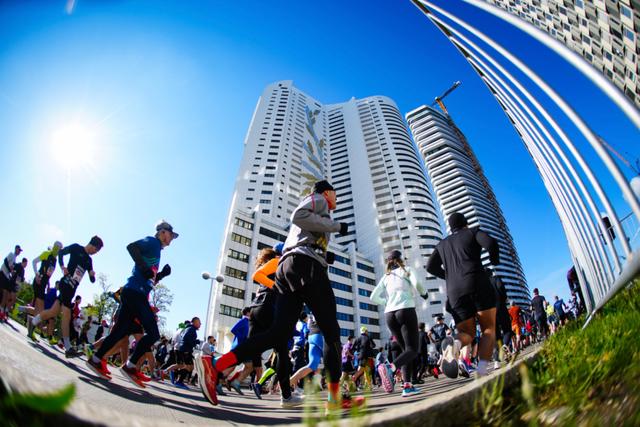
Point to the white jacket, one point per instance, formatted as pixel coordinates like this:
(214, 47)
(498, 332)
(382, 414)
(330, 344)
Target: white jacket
(397, 290)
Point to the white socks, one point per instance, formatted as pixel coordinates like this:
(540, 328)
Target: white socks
(130, 365)
(66, 340)
(35, 321)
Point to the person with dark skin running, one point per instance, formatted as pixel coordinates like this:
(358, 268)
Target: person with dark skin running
(43, 273)
(80, 262)
(456, 259)
(135, 303)
(301, 278)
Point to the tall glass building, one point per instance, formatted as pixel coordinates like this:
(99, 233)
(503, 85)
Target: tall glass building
(363, 148)
(461, 186)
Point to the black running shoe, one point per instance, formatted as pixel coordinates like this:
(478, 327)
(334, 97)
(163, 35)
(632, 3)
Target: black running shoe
(72, 352)
(450, 351)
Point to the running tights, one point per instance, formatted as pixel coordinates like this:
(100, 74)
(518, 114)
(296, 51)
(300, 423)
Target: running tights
(403, 325)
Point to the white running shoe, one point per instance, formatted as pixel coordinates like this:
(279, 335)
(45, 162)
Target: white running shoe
(496, 365)
(450, 353)
(292, 402)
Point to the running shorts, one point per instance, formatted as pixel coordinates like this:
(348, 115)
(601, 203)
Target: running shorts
(467, 306)
(66, 292)
(348, 368)
(5, 283)
(39, 288)
(185, 357)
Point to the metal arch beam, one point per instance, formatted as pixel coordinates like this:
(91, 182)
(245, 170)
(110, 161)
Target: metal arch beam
(424, 5)
(570, 56)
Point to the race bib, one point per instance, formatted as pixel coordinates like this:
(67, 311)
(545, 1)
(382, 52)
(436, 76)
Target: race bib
(78, 274)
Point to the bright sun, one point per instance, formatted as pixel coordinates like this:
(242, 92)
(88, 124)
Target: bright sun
(73, 145)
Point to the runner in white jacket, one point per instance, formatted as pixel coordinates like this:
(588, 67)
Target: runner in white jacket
(397, 290)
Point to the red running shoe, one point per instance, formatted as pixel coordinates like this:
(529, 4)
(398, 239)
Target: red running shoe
(100, 369)
(132, 375)
(143, 377)
(208, 376)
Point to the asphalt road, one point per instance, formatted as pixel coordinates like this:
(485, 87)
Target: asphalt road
(40, 367)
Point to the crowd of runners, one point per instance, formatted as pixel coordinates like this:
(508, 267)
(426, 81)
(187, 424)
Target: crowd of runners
(288, 340)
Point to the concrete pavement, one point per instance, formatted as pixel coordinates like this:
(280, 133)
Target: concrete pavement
(39, 367)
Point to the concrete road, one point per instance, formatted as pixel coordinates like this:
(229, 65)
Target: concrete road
(40, 367)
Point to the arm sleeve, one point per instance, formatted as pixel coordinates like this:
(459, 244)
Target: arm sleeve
(490, 244)
(35, 262)
(62, 253)
(7, 263)
(434, 264)
(135, 251)
(261, 274)
(306, 217)
(378, 292)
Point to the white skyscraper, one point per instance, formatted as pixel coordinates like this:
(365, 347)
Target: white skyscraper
(363, 148)
(460, 186)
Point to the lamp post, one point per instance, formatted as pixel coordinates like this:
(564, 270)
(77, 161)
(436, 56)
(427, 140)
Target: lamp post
(207, 276)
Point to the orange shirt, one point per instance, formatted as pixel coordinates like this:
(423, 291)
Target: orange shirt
(262, 274)
(514, 312)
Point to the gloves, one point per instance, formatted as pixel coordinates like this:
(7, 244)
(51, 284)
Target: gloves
(425, 296)
(166, 270)
(344, 228)
(330, 257)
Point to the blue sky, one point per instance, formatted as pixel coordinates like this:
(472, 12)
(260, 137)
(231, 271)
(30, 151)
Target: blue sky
(168, 89)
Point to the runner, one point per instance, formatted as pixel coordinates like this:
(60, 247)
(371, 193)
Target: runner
(503, 320)
(11, 288)
(539, 315)
(301, 279)
(439, 332)
(560, 309)
(397, 291)
(80, 262)
(6, 272)
(42, 275)
(365, 347)
(469, 292)
(516, 325)
(316, 346)
(185, 352)
(347, 365)
(135, 302)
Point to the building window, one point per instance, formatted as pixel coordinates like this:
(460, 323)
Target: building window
(629, 34)
(370, 307)
(435, 302)
(341, 286)
(230, 311)
(346, 317)
(366, 280)
(240, 239)
(266, 232)
(369, 321)
(243, 224)
(345, 302)
(339, 272)
(364, 267)
(238, 255)
(364, 292)
(235, 273)
(233, 292)
(346, 332)
(626, 11)
(342, 259)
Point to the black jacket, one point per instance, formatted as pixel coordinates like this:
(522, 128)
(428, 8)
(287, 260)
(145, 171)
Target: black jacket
(457, 260)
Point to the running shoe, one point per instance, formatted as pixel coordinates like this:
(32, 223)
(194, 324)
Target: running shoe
(435, 372)
(410, 391)
(463, 369)
(292, 402)
(235, 384)
(181, 385)
(3, 316)
(450, 351)
(53, 341)
(71, 352)
(209, 379)
(347, 402)
(143, 377)
(386, 376)
(132, 375)
(220, 391)
(496, 365)
(100, 369)
(257, 389)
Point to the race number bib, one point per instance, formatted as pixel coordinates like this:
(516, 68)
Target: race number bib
(78, 274)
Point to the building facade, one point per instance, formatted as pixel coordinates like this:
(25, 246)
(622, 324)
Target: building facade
(603, 32)
(461, 186)
(363, 148)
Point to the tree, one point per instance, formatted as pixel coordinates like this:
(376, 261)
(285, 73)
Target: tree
(103, 305)
(161, 298)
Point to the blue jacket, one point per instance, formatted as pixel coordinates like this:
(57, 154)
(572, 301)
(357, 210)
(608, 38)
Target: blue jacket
(241, 331)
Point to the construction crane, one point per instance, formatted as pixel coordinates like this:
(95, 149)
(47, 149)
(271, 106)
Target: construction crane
(439, 99)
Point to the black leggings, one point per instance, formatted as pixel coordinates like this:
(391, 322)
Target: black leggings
(312, 287)
(260, 321)
(403, 325)
(134, 305)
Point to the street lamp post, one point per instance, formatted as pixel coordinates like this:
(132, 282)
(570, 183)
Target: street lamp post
(207, 276)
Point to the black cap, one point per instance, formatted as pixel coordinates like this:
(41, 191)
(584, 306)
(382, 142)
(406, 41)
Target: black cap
(457, 221)
(439, 317)
(395, 254)
(18, 249)
(96, 242)
(322, 186)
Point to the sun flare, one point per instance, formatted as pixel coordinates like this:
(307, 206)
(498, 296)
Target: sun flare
(73, 145)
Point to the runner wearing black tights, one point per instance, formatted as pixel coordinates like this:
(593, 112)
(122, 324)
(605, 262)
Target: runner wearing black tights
(397, 290)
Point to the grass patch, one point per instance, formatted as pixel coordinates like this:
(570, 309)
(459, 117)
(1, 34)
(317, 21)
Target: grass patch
(581, 377)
